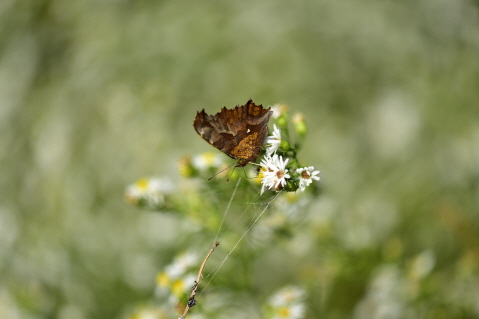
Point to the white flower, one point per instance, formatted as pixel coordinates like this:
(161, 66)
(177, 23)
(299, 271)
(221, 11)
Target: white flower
(287, 303)
(206, 160)
(181, 264)
(150, 190)
(274, 141)
(181, 286)
(286, 296)
(306, 176)
(274, 172)
(176, 278)
(295, 311)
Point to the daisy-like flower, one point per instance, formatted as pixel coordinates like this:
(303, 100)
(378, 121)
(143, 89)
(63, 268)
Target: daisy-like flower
(163, 280)
(274, 141)
(286, 296)
(274, 172)
(175, 279)
(182, 285)
(148, 192)
(306, 176)
(287, 303)
(181, 264)
(295, 311)
(206, 160)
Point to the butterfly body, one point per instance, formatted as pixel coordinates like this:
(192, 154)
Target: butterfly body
(239, 132)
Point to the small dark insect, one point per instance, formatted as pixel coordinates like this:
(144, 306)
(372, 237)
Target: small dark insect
(195, 285)
(191, 302)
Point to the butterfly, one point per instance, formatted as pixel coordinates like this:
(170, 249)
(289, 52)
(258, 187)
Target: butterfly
(239, 132)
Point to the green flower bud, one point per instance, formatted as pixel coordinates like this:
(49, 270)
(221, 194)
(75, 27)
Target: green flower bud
(284, 145)
(300, 125)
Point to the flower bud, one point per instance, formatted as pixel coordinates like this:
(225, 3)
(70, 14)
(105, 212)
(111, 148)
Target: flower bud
(186, 168)
(300, 125)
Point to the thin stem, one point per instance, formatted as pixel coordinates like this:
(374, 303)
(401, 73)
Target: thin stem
(192, 300)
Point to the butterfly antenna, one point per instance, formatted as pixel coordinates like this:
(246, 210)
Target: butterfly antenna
(222, 172)
(228, 179)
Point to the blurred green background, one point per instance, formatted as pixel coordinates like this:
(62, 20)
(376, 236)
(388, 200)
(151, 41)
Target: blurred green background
(95, 94)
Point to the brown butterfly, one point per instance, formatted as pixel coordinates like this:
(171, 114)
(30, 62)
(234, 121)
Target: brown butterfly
(239, 133)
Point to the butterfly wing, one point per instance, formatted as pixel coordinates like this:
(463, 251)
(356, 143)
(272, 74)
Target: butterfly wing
(239, 133)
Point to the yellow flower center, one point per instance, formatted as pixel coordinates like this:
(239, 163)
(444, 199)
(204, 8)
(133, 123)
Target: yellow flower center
(142, 184)
(162, 279)
(284, 312)
(178, 287)
(208, 158)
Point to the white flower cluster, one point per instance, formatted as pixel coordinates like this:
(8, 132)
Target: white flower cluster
(274, 171)
(177, 279)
